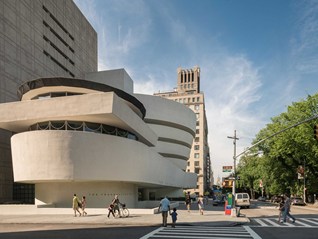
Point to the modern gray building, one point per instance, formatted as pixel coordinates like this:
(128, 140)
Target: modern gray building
(39, 38)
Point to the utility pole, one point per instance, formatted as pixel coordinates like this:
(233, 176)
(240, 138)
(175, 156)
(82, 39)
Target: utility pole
(234, 164)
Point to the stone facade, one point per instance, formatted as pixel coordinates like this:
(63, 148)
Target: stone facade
(39, 38)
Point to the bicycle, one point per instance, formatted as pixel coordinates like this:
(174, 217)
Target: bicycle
(122, 212)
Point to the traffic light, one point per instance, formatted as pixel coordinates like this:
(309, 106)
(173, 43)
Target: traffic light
(227, 183)
(316, 131)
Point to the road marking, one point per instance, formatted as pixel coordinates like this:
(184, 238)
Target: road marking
(150, 234)
(259, 221)
(288, 224)
(197, 232)
(252, 233)
(300, 222)
(310, 220)
(272, 222)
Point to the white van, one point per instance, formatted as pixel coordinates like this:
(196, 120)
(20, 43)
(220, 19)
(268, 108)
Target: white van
(242, 200)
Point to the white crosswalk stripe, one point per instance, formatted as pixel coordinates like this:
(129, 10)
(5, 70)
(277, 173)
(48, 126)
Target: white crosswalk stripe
(273, 222)
(201, 232)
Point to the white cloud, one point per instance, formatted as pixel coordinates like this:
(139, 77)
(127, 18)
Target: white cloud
(231, 85)
(305, 40)
(120, 32)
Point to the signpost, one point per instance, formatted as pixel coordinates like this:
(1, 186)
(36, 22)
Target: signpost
(227, 169)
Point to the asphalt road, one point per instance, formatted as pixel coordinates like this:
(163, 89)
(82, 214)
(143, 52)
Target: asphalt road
(31, 231)
(286, 233)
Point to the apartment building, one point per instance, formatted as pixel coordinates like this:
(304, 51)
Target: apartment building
(38, 38)
(188, 92)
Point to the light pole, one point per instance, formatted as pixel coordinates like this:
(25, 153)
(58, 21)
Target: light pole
(234, 164)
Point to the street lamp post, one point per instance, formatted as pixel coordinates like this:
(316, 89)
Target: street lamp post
(234, 163)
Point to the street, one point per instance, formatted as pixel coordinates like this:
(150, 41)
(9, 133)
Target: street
(263, 225)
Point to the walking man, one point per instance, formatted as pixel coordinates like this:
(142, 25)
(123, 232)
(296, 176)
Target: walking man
(165, 208)
(287, 209)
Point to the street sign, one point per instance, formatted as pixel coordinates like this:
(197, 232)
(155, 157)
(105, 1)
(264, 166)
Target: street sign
(227, 169)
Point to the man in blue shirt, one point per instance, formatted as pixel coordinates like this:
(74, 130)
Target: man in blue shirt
(165, 208)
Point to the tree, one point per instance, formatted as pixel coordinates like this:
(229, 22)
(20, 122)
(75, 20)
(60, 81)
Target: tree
(283, 153)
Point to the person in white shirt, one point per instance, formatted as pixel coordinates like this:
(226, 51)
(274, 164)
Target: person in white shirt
(164, 207)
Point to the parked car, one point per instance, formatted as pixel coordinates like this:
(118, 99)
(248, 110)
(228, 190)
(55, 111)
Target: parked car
(262, 199)
(297, 201)
(218, 201)
(242, 200)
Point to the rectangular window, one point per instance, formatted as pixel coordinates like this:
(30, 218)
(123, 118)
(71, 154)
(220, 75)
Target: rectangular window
(196, 163)
(196, 147)
(198, 99)
(197, 170)
(197, 131)
(197, 139)
(196, 155)
(197, 107)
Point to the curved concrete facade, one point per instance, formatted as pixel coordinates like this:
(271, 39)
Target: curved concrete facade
(82, 156)
(175, 126)
(148, 154)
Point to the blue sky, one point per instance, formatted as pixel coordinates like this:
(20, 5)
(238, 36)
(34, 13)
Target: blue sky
(256, 57)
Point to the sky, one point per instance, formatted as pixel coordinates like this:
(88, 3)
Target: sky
(256, 57)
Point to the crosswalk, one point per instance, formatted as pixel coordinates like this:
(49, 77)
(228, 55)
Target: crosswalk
(273, 222)
(201, 232)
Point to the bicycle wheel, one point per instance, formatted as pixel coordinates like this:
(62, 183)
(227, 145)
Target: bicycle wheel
(117, 213)
(125, 212)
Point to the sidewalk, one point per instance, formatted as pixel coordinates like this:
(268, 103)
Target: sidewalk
(213, 216)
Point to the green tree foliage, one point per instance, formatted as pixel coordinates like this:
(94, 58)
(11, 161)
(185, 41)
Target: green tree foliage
(284, 153)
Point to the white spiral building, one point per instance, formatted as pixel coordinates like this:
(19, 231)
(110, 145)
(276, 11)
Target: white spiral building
(95, 137)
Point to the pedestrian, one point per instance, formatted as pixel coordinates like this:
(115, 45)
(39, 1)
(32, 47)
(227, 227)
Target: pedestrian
(115, 202)
(287, 209)
(281, 209)
(164, 207)
(200, 205)
(76, 204)
(83, 205)
(188, 201)
(174, 215)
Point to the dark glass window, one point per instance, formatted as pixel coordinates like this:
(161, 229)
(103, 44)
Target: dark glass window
(23, 193)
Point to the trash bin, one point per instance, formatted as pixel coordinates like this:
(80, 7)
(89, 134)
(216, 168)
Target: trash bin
(233, 212)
